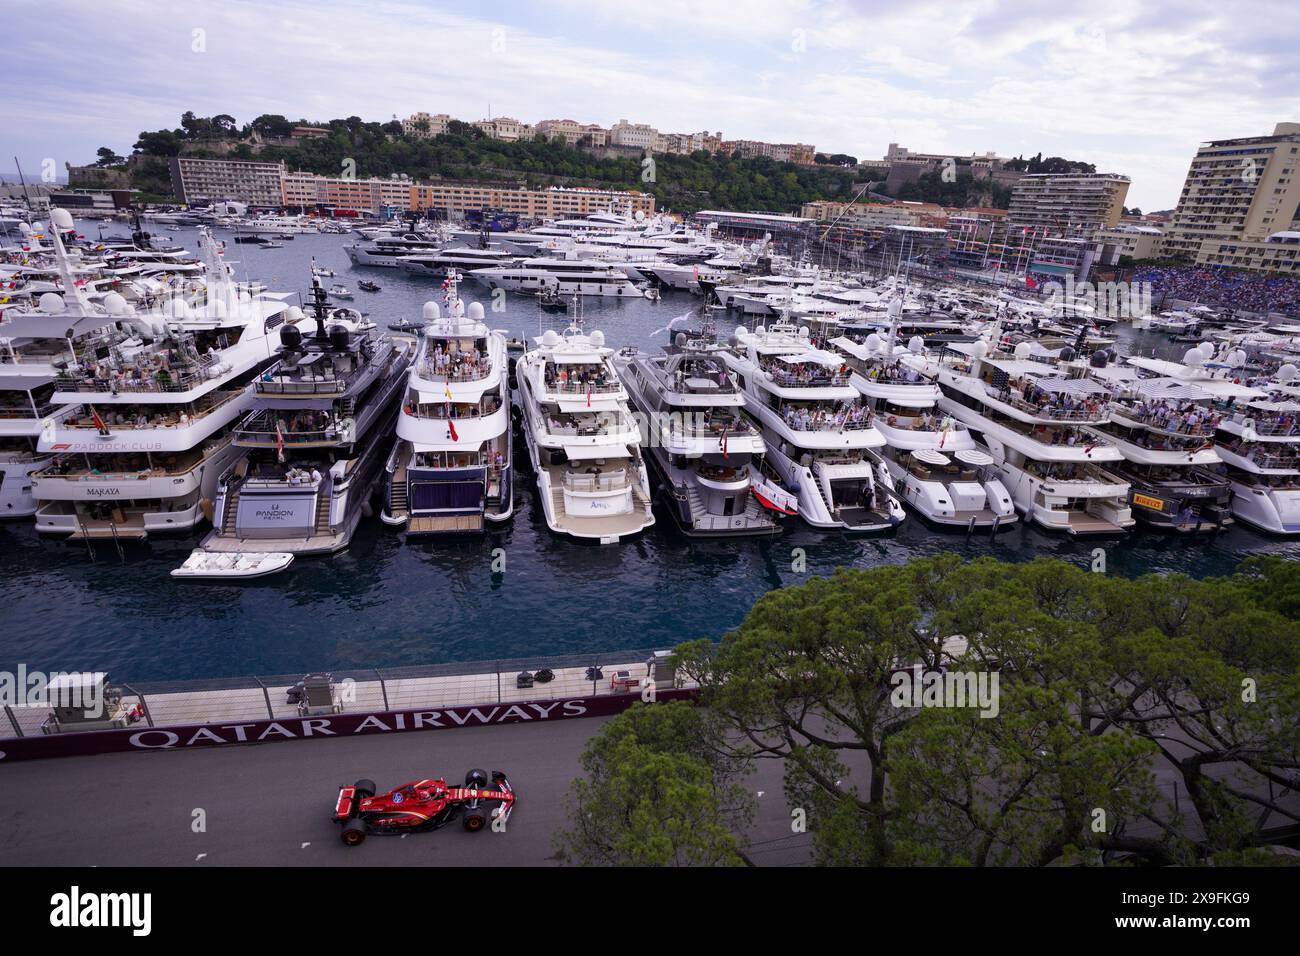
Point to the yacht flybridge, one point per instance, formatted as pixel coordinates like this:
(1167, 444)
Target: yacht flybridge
(584, 443)
(1029, 416)
(708, 455)
(311, 448)
(148, 403)
(931, 456)
(451, 469)
(821, 440)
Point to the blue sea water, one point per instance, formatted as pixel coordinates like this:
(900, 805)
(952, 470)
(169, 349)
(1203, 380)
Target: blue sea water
(383, 603)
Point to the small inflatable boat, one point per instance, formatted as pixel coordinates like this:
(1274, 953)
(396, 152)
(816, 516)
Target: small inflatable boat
(232, 564)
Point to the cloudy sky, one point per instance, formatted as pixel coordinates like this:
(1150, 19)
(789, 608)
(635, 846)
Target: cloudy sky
(1131, 86)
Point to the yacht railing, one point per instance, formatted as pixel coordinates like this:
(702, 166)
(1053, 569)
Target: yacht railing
(260, 429)
(145, 377)
(453, 372)
(1173, 424)
(438, 411)
(204, 407)
(602, 426)
(581, 388)
(1057, 413)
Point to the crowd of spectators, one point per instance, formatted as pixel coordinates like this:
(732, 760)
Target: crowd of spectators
(1226, 288)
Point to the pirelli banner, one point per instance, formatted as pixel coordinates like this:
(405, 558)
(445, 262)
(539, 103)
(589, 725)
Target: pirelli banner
(334, 726)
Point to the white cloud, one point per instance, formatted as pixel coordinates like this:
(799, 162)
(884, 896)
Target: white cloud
(1130, 88)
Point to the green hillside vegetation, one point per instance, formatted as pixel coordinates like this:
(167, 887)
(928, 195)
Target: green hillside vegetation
(681, 183)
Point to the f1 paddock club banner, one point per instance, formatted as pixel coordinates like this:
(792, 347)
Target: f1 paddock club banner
(192, 736)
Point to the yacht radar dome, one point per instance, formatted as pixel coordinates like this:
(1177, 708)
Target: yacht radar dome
(476, 311)
(431, 312)
(873, 342)
(1286, 373)
(62, 219)
(916, 344)
(1023, 350)
(51, 302)
(116, 304)
(550, 338)
(598, 338)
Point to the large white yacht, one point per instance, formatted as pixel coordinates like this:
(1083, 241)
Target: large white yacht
(565, 276)
(390, 252)
(1259, 441)
(931, 456)
(708, 455)
(451, 468)
(821, 442)
(311, 448)
(584, 443)
(1028, 415)
(1165, 426)
(440, 263)
(150, 403)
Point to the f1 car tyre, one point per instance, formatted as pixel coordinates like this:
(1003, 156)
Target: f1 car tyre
(364, 787)
(474, 820)
(354, 833)
(478, 779)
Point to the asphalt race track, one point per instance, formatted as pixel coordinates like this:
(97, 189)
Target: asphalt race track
(269, 804)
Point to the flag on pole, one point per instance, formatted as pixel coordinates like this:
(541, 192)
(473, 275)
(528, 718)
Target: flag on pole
(724, 444)
(589, 395)
(451, 429)
(99, 422)
(279, 443)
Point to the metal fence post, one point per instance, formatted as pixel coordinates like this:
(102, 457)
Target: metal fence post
(383, 688)
(18, 731)
(267, 694)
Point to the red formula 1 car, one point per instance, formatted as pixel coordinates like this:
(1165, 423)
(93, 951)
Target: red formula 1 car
(423, 805)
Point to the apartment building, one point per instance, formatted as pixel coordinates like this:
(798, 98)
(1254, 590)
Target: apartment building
(1131, 240)
(371, 195)
(555, 202)
(801, 153)
(901, 154)
(199, 181)
(1238, 194)
(1074, 205)
(570, 131)
(633, 136)
(424, 126)
(505, 128)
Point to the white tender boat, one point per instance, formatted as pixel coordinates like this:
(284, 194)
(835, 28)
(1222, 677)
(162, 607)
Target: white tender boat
(232, 564)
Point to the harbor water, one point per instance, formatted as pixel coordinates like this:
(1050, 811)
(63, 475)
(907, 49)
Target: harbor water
(518, 591)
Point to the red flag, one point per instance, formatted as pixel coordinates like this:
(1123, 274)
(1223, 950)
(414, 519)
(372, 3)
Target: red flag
(1031, 282)
(589, 395)
(724, 445)
(99, 422)
(451, 427)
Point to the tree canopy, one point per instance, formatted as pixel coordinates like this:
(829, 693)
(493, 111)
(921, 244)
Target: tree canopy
(1152, 720)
